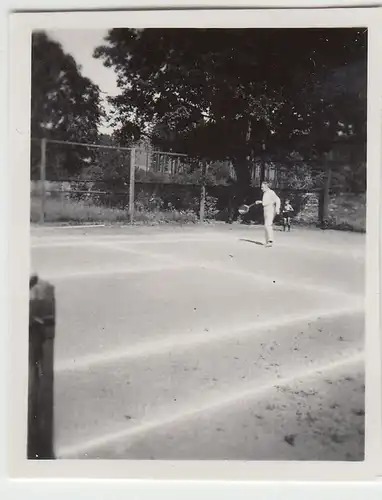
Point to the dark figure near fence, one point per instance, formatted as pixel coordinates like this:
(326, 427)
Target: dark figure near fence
(42, 316)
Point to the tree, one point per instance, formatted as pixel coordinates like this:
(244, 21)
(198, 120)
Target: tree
(237, 94)
(64, 106)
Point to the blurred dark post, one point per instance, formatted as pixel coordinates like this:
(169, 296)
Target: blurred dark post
(42, 316)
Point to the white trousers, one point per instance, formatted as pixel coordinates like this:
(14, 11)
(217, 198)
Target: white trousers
(269, 215)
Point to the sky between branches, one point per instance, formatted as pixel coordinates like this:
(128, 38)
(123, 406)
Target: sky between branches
(81, 44)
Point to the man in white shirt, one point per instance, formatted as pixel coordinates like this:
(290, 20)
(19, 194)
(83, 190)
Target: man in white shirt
(271, 205)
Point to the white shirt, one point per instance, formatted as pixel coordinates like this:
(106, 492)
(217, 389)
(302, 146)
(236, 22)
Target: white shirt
(271, 198)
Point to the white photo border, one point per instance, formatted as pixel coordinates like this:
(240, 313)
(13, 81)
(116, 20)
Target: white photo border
(21, 27)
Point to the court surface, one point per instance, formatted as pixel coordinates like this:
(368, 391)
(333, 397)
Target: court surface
(200, 343)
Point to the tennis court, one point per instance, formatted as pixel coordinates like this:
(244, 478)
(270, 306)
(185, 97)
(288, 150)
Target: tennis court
(200, 343)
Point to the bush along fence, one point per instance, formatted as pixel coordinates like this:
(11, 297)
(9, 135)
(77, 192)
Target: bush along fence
(120, 184)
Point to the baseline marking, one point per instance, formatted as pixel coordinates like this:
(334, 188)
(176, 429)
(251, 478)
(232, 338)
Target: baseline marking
(237, 272)
(111, 240)
(262, 278)
(233, 397)
(287, 284)
(96, 272)
(358, 253)
(77, 226)
(184, 342)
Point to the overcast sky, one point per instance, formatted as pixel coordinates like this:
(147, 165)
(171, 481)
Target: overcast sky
(81, 44)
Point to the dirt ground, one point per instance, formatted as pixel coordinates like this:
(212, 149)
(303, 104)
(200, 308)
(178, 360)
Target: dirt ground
(200, 343)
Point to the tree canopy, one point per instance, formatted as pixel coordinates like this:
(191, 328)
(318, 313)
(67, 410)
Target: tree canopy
(64, 106)
(239, 93)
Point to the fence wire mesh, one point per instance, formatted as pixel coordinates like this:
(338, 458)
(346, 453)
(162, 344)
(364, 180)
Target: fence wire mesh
(75, 182)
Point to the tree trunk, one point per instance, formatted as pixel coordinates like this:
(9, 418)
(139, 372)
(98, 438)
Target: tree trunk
(243, 175)
(262, 171)
(238, 192)
(262, 165)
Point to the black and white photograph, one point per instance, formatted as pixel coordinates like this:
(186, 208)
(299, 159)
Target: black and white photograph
(198, 222)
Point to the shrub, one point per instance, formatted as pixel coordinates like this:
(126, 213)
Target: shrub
(167, 217)
(75, 212)
(210, 209)
(80, 212)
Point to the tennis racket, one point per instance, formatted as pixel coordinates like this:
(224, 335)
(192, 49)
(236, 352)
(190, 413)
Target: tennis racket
(244, 209)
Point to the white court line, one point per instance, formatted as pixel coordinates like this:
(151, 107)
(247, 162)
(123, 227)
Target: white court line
(40, 242)
(131, 239)
(77, 226)
(250, 393)
(264, 278)
(290, 285)
(177, 263)
(192, 341)
(123, 248)
(259, 277)
(303, 248)
(96, 272)
(359, 254)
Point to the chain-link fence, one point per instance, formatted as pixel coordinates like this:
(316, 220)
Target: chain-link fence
(75, 182)
(82, 182)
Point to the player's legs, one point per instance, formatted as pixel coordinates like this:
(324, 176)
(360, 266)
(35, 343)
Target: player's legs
(269, 214)
(289, 222)
(285, 222)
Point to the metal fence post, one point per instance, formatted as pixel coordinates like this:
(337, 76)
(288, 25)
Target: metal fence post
(325, 197)
(203, 193)
(43, 179)
(132, 185)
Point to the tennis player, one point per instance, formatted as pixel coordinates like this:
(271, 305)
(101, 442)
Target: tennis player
(271, 206)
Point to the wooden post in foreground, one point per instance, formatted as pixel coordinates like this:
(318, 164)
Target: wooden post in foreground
(43, 179)
(132, 185)
(42, 319)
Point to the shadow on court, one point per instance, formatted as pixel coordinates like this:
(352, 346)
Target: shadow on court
(252, 241)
